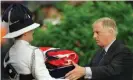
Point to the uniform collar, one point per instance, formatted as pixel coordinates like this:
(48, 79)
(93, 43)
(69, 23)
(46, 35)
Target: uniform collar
(22, 41)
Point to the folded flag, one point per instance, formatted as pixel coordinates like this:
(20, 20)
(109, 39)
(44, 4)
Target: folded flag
(59, 60)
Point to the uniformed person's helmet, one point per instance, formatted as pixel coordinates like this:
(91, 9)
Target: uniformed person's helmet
(19, 19)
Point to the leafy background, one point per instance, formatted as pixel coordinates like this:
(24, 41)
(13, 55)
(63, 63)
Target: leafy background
(75, 30)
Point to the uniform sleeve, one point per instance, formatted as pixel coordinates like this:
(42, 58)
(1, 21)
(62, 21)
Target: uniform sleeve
(40, 70)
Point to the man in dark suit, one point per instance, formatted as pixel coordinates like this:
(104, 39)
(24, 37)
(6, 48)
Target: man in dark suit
(112, 62)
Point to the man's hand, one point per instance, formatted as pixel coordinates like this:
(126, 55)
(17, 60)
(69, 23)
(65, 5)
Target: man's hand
(76, 73)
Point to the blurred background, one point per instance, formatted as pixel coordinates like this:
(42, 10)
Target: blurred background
(68, 25)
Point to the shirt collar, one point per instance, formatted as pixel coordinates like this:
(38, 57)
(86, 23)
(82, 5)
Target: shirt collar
(22, 41)
(106, 48)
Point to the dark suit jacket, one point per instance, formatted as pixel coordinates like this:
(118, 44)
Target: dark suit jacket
(116, 64)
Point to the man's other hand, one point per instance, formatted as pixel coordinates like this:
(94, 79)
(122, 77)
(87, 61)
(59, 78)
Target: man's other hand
(76, 73)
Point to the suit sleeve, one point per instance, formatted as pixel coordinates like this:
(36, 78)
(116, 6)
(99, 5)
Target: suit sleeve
(123, 60)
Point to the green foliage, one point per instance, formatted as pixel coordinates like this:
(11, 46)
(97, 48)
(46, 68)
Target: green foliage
(75, 31)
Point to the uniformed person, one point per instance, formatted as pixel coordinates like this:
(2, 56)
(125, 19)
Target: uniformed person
(25, 58)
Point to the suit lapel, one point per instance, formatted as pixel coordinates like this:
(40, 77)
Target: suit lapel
(95, 58)
(110, 52)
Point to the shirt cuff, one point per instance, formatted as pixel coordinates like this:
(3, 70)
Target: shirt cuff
(88, 73)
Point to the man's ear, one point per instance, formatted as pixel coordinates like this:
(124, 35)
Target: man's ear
(111, 30)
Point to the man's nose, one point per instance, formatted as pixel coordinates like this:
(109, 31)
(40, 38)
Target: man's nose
(94, 35)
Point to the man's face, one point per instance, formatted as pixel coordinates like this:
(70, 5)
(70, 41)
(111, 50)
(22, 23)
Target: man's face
(101, 34)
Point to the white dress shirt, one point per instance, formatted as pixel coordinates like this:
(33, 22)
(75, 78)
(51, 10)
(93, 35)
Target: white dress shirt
(21, 59)
(88, 73)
